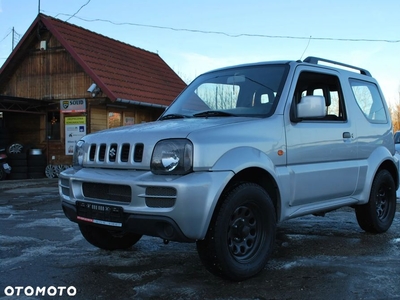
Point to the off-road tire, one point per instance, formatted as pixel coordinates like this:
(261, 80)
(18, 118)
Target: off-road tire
(108, 239)
(377, 215)
(37, 166)
(3, 174)
(241, 235)
(19, 165)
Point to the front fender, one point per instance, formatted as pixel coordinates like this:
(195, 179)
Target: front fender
(242, 158)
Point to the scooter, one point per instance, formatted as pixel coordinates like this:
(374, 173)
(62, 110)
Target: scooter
(5, 168)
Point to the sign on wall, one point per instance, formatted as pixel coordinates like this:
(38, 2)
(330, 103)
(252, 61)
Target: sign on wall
(73, 106)
(75, 129)
(129, 121)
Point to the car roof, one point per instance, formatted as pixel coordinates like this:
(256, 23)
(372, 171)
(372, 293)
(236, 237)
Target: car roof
(311, 60)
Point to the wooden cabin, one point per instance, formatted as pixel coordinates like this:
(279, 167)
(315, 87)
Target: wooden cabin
(63, 81)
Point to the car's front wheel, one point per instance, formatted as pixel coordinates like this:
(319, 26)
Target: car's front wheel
(377, 215)
(241, 235)
(108, 239)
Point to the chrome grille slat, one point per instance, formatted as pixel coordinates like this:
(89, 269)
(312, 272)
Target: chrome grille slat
(115, 153)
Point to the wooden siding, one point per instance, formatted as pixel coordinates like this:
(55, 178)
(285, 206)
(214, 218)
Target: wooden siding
(98, 118)
(54, 75)
(147, 115)
(56, 153)
(48, 74)
(24, 129)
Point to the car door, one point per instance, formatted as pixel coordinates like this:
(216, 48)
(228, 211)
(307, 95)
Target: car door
(321, 152)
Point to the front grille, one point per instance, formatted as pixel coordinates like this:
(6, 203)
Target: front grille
(92, 152)
(102, 152)
(114, 153)
(160, 197)
(160, 191)
(112, 192)
(64, 182)
(160, 203)
(65, 191)
(138, 155)
(125, 152)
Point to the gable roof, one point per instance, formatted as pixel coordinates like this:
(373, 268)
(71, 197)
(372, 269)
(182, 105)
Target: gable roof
(123, 72)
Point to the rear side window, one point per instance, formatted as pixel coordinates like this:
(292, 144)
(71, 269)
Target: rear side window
(369, 100)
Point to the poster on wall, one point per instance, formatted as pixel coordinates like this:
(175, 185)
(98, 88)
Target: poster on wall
(73, 106)
(129, 121)
(75, 129)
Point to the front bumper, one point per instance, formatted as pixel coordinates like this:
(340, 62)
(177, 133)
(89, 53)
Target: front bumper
(177, 208)
(159, 226)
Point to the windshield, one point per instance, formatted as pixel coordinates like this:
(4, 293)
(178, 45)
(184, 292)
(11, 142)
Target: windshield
(243, 91)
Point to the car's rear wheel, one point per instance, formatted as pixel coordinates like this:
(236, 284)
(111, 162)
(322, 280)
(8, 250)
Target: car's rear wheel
(377, 215)
(241, 235)
(108, 239)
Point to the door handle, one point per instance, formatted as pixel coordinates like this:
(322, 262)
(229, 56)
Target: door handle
(347, 135)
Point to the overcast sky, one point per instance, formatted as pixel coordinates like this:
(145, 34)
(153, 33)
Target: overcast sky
(197, 36)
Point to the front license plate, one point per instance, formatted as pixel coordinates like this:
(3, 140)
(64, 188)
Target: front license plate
(99, 213)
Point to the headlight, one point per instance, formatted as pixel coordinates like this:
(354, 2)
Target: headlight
(173, 156)
(77, 160)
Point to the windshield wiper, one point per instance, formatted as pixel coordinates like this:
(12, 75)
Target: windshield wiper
(213, 113)
(173, 116)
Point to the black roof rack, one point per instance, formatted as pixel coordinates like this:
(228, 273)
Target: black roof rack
(315, 60)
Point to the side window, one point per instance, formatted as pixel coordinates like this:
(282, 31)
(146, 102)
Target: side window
(369, 100)
(328, 86)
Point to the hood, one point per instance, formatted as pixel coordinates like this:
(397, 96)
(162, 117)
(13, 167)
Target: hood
(158, 130)
(132, 146)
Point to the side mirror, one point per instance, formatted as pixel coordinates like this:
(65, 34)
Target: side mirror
(311, 107)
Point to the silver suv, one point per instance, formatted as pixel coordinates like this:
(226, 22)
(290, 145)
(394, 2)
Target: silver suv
(240, 150)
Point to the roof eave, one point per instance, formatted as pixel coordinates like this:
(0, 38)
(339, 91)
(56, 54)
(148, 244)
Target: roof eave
(140, 103)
